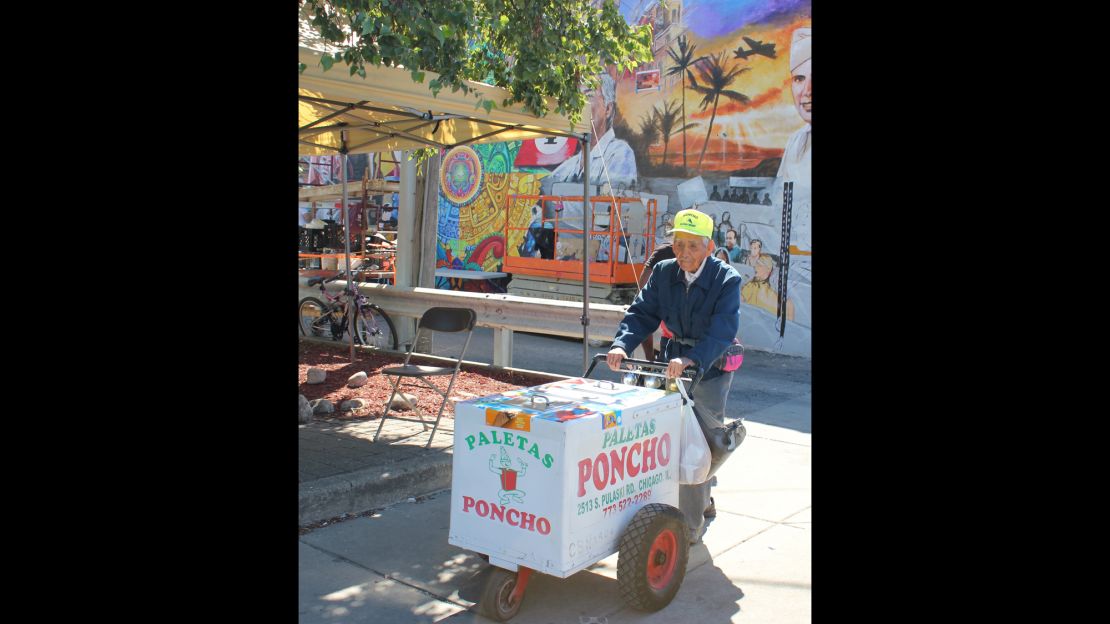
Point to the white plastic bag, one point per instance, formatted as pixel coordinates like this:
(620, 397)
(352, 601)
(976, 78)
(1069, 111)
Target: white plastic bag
(694, 460)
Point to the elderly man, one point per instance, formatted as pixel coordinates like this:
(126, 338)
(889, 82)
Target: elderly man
(699, 299)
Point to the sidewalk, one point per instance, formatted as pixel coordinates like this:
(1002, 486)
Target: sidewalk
(341, 471)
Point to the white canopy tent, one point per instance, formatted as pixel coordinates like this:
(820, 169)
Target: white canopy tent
(340, 113)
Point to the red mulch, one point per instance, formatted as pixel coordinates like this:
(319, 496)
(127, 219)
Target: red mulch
(336, 361)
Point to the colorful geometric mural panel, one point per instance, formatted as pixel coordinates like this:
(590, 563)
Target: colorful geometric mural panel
(498, 157)
(448, 228)
(520, 212)
(460, 178)
(472, 237)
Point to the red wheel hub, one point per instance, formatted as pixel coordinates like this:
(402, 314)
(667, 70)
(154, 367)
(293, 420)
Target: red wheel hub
(661, 560)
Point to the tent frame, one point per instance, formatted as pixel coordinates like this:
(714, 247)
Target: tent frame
(386, 130)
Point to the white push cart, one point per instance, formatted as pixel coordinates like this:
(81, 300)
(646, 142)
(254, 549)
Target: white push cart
(556, 477)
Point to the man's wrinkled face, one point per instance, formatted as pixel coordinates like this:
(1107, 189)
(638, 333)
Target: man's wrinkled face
(599, 113)
(730, 239)
(690, 251)
(801, 84)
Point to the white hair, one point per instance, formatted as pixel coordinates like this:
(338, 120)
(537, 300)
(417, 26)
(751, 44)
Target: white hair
(608, 88)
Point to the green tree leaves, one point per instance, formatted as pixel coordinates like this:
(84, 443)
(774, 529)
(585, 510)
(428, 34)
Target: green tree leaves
(538, 50)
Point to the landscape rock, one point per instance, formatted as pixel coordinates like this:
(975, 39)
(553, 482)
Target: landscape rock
(352, 404)
(403, 401)
(304, 409)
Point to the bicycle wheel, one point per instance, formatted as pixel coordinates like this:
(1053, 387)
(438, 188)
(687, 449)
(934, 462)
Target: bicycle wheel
(314, 318)
(374, 328)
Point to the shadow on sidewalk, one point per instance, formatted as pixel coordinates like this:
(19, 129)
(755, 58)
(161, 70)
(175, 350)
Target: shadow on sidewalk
(708, 592)
(706, 595)
(397, 565)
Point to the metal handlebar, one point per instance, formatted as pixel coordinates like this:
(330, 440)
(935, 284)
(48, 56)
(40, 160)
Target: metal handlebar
(659, 366)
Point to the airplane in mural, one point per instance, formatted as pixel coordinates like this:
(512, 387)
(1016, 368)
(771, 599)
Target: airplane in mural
(757, 47)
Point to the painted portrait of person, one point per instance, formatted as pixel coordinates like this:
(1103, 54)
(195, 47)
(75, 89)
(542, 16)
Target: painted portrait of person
(611, 159)
(796, 165)
(732, 247)
(612, 166)
(759, 292)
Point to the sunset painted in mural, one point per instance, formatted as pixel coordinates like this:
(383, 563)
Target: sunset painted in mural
(744, 133)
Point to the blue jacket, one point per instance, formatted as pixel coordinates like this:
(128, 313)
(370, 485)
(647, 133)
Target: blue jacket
(707, 313)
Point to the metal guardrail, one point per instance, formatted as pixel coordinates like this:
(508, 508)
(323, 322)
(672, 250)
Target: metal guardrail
(503, 313)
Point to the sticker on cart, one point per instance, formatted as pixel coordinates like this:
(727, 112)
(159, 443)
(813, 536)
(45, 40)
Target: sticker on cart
(610, 419)
(574, 386)
(498, 399)
(508, 474)
(508, 419)
(532, 402)
(586, 395)
(564, 415)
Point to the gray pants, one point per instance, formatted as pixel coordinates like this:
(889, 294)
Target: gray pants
(709, 406)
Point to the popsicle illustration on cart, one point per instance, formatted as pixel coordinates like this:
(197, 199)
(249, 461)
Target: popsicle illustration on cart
(508, 491)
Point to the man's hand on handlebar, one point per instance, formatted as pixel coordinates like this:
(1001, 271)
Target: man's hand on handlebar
(614, 357)
(677, 365)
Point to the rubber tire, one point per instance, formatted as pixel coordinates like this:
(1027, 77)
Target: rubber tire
(388, 322)
(636, 550)
(315, 301)
(495, 595)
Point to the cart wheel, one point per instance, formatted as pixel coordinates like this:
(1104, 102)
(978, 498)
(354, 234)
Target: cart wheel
(496, 602)
(652, 560)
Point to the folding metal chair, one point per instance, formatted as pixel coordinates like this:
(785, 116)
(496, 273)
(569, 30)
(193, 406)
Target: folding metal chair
(447, 320)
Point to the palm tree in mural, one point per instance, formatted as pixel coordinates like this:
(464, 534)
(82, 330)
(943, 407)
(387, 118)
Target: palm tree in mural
(683, 60)
(649, 129)
(717, 78)
(665, 121)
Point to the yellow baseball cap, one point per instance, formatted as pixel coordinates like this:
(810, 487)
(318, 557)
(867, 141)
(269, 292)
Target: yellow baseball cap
(693, 222)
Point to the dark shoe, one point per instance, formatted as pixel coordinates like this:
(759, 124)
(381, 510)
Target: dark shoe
(711, 510)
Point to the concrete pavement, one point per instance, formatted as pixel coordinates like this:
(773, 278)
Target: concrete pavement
(343, 472)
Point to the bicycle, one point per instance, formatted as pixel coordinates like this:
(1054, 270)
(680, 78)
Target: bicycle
(373, 327)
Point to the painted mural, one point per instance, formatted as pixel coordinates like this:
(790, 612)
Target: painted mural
(720, 120)
(474, 184)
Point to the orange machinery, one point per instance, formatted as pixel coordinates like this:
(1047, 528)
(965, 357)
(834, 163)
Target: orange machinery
(612, 272)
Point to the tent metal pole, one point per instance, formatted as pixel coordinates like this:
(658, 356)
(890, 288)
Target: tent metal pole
(587, 231)
(347, 241)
